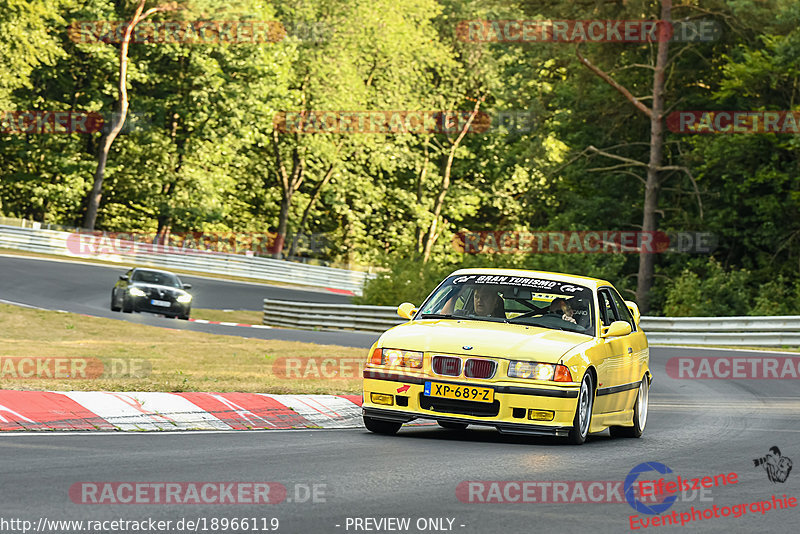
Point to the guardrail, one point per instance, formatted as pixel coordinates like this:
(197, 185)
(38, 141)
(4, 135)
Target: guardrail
(267, 269)
(742, 331)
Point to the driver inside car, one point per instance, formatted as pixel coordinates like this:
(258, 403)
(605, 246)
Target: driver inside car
(487, 302)
(559, 306)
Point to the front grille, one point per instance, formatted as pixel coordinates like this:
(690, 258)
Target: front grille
(446, 365)
(479, 368)
(477, 409)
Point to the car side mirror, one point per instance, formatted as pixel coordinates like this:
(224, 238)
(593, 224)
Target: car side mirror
(406, 310)
(187, 286)
(634, 309)
(617, 328)
(123, 277)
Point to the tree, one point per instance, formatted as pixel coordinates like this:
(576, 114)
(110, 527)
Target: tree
(118, 120)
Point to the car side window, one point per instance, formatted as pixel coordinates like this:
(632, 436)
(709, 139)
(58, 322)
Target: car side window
(623, 312)
(607, 313)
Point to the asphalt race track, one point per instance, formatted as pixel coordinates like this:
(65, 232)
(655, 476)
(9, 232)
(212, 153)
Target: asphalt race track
(86, 288)
(697, 428)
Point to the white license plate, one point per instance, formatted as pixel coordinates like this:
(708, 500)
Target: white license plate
(162, 303)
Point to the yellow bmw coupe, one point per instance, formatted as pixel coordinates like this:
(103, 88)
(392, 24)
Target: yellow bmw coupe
(526, 352)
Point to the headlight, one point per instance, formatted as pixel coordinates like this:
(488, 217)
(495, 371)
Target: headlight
(397, 358)
(539, 371)
(184, 299)
(136, 292)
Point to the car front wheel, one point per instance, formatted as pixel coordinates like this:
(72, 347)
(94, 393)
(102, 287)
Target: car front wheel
(583, 412)
(114, 306)
(379, 426)
(639, 414)
(127, 305)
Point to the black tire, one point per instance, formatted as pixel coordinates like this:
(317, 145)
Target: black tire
(583, 411)
(379, 426)
(640, 408)
(127, 306)
(452, 426)
(113, 308)
(183, 317)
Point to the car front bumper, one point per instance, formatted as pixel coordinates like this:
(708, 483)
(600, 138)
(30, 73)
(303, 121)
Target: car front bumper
(143, 304)
(509, 412)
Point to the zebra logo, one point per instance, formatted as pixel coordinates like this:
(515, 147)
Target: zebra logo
(777, 467)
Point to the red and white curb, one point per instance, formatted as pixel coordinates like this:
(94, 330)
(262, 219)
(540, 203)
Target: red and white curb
(147, 411)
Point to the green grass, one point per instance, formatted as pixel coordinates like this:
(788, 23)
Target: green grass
(179, 360)
(232, 316)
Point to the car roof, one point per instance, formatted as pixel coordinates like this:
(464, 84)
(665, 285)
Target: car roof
(592, 283)
(159, 271)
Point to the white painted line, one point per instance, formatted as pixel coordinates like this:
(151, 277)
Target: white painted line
(21, 304)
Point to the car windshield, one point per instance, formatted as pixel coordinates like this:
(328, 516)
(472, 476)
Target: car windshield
(156, 277)
(513, 299)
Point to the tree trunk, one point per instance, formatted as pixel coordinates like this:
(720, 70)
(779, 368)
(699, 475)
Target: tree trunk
(649, 223)
(448, 167)
(289, 185)
(307, 210)
(283, 222)
(96, 194)
(420, 188)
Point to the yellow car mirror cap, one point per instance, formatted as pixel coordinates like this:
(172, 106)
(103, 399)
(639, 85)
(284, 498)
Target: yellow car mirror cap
(406, 310)
(617, 328)
(634, 309)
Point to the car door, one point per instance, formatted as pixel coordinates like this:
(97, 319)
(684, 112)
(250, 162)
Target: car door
(621, 389)
(636, 348)
(613, 371)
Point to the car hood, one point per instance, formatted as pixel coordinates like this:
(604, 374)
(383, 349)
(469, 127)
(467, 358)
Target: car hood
(498, 340)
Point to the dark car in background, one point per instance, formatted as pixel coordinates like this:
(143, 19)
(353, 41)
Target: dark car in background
(149, 290)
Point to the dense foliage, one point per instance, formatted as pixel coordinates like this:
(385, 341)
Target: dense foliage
(201, 151)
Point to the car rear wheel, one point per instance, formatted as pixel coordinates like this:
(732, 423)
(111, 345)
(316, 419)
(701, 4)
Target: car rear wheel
(379, 426)
(583, 412)
(452, 426)
(639, 414)
(114, 307)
